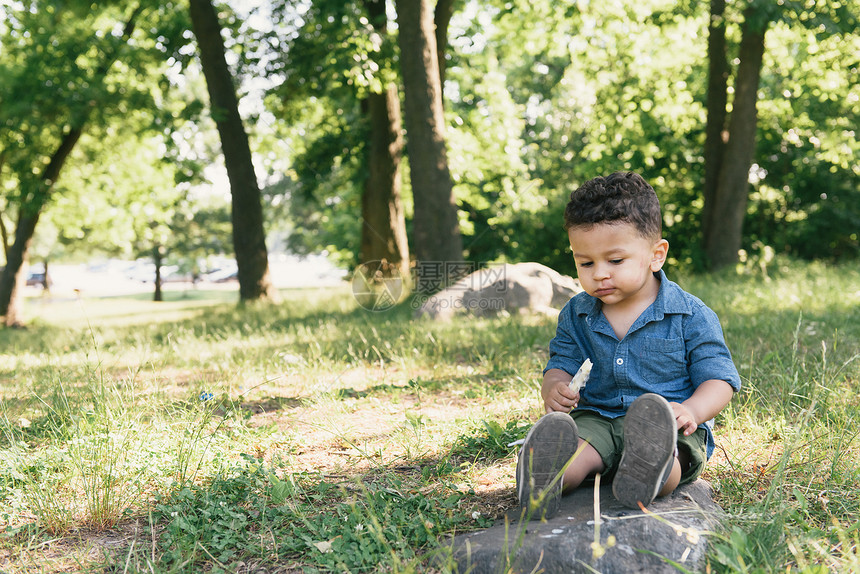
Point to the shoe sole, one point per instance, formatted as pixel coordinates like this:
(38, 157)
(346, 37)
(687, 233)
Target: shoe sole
(547, 449)
(650, 435)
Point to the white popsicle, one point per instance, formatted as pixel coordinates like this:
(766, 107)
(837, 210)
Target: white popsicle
(581, 377)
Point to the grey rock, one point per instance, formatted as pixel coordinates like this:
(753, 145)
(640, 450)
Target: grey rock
(674, 529)
(510, 288)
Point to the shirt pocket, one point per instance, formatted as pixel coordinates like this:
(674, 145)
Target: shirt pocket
(664, 362)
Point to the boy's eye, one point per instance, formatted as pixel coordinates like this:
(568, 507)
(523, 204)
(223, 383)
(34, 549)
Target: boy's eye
(616, 261)
(585, 264)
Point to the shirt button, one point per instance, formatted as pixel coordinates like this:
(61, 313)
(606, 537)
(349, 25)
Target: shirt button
(619, 361)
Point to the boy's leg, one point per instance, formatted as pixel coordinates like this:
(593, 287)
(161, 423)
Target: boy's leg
(587, 462)
(673, 480)
(650, 435)
(548, 448)
(691, 456)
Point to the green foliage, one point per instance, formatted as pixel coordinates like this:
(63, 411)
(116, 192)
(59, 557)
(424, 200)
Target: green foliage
(330, 57)
(249, 513)
(63, 66)
(490, 177)
(806, 200)
(330, 48)
(541, 96)
(105, 205)
(611, 100)
(71, 66)
(323, 195)
(492, 440)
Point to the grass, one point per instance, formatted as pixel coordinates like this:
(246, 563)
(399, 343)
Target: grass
(195, 435)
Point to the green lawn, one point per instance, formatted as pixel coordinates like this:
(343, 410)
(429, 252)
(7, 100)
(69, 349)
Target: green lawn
(195, 435)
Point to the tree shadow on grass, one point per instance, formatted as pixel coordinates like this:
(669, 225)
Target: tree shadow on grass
(271, 404)
(487, 382)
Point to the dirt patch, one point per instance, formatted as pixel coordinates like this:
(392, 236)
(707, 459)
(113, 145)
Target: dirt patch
(80, 546)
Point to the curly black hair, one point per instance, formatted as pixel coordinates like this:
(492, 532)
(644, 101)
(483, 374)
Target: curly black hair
(621, 196)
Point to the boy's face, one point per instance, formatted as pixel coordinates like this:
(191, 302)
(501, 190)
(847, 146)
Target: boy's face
(616, 263)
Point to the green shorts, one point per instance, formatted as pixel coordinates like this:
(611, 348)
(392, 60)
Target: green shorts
(607, 437)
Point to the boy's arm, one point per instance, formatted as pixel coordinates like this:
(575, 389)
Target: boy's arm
(707, 401)
(556, 392)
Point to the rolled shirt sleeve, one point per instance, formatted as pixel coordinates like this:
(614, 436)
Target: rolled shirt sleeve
(708, 355)
(565, 350)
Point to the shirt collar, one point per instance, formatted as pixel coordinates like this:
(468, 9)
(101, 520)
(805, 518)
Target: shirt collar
(670, 300)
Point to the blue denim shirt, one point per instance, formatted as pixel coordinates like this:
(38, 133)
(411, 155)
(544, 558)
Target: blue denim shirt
(675, 345)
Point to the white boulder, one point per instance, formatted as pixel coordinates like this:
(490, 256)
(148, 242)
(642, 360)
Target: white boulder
(508, 288)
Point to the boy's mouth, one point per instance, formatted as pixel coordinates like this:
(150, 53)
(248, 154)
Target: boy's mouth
(603, 291)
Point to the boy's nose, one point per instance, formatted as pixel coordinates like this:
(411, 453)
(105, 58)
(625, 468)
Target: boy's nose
(601, 272)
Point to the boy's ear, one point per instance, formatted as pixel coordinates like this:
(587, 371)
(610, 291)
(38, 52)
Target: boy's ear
(658, 255)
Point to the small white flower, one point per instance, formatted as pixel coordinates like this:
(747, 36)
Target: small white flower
(359, 528)
(476, 515)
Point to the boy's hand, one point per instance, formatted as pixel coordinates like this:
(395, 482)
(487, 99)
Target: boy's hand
(556, 392)
(707, 401)
(685, 419)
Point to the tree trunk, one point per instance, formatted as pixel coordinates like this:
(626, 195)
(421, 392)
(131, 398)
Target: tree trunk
(383, 230)
(438, 243)
(4, 233)
(249, 239)
(13, 275)
(4, 237)
(442, 18)
(717, 99)
(28, 216)
(46, 278)
(157, 296)
(732, 193)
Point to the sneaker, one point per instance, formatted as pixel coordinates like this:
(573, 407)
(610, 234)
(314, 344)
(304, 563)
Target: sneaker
(548, 448)
(650, 436)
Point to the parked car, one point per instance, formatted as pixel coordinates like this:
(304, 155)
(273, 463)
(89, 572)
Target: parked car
(222, 275)
(36, 278)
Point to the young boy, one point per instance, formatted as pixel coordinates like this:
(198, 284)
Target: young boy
(661, 368)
